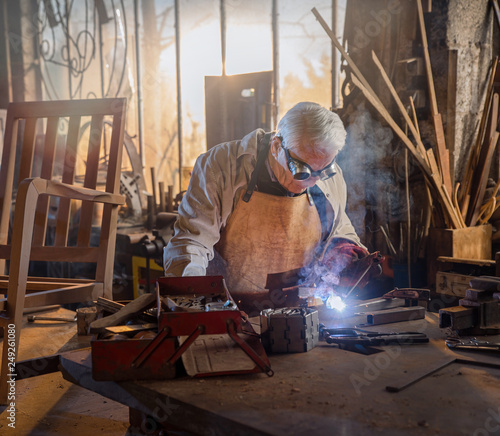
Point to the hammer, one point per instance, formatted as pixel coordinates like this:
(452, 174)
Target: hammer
(33, 318)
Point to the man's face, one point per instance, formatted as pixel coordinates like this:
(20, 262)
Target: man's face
(278, 162)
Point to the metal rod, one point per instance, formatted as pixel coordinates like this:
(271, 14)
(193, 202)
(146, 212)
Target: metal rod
(223, 35)
(335, 66)
(7, 51)
(224, 128)
(101, 59)
(68, 51)
(140, 107)
(179, 93)
(357, 282)
(276, 83)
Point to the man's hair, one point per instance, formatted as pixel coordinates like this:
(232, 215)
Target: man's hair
(310, 124)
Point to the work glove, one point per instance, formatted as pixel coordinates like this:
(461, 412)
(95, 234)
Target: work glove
(340, 267)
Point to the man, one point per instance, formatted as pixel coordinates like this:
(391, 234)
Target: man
(267, 204)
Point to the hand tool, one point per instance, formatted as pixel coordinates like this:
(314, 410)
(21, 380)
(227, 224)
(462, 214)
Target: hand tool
(355, 336)
(410, 293)
(471, 344)
(33, 318)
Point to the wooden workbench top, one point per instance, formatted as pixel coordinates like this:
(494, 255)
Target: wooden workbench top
(325, 391)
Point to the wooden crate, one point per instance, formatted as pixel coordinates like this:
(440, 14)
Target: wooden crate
(468, 243)
(452, 284)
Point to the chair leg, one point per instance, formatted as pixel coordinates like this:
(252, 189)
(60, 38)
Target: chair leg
(11, 322)
(11, 335)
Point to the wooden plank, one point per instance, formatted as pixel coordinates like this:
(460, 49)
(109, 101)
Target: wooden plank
(479, 262)
(67, 108)
(138, 305)
(474, 155)
(427, 59)
(451, 106)
(443, 155)
(482, 180)
(339, 47)
(7, 177)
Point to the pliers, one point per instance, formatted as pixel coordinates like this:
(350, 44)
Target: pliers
(355, 336)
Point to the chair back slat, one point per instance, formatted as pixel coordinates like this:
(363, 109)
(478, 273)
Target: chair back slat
(49, 152)
(28, 147)
(110, 215)
(90, 181)
(68, 176)
(7, 168)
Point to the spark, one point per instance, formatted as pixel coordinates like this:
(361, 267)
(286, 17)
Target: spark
(335, 302)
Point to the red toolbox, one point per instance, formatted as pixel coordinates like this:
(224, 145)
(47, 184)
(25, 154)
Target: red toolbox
(198, 321)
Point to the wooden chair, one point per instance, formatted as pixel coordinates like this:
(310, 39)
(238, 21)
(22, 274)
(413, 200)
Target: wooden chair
(44, 173)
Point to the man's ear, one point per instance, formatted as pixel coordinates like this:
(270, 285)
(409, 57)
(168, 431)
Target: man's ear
(275, 145)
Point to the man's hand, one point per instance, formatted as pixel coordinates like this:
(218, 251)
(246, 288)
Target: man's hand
(340, 265)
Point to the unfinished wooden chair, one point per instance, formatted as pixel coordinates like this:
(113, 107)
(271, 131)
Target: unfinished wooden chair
(54, 162)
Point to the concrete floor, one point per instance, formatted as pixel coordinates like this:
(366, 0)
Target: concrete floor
(50, 405)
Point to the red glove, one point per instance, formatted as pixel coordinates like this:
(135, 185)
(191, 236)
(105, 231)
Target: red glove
(339, 265)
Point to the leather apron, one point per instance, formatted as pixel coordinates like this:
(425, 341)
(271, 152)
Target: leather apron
(266, 234)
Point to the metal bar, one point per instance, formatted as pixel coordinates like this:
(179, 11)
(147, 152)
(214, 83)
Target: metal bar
(68, 49)
(231, 330)
(276, 84)
(185, 345)
(150, 348)
(140, 106)
(178, 80)
(223, 35)
(7, 51)
(378, 304)
(396, 315)
(335, 66)
(418, 375)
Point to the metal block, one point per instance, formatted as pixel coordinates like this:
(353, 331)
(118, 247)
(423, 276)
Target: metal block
(457, 317)
(478, 294)
(290, 330)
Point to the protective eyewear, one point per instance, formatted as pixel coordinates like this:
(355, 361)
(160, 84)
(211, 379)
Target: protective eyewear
(302, 171)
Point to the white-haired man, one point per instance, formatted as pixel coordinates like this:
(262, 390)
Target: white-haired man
(266, 204)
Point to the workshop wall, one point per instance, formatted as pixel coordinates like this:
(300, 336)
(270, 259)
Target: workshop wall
(88, 50)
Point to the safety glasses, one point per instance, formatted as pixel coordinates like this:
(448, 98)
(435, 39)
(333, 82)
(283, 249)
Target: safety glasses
(301, 171)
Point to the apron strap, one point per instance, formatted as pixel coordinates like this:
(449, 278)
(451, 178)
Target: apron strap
(261, 158)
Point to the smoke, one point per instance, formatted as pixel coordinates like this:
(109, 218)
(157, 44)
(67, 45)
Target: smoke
(367, 165)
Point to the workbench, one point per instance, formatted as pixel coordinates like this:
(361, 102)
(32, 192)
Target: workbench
(325, 391)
